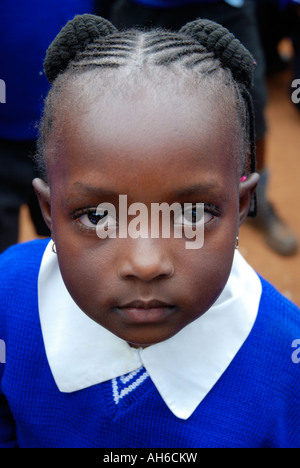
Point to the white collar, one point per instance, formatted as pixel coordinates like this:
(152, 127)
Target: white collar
(184, 368)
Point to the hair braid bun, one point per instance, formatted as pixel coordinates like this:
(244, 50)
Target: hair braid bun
(73, 38)
(218, 40)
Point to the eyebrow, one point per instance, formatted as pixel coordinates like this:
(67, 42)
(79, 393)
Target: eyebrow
(97, 191)
(80, 190)
(209, 189)
(212, 189)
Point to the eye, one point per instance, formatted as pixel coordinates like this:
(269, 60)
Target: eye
(91, 218)
(194, 215)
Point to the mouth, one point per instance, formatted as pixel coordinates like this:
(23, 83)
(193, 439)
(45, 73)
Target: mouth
(142, 312)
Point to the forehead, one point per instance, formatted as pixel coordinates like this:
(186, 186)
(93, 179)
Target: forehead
(140, 125)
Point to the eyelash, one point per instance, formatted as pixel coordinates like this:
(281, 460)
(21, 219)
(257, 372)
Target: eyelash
(76, 215)
(212, 209)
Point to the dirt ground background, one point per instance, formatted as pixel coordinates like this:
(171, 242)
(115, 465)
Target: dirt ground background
(283, 155)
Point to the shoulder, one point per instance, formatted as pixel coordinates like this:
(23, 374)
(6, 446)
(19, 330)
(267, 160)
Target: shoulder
(271, 341)
(21, 258)
(19, 315)
(19, 318)
(279, 312)
(277, 359)
(19, 269)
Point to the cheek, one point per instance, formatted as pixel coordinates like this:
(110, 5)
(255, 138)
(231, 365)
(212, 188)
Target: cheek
(205, 272)
(207, 276)
(89, 274)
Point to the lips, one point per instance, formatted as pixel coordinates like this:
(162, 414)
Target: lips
(140, 311)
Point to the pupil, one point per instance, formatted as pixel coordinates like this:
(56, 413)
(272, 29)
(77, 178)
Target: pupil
(192, 215)
(96, 218)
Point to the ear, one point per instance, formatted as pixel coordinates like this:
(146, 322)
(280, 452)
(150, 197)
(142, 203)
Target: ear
(246, 192)
(42, 191)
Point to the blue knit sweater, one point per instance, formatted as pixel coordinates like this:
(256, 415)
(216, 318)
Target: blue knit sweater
(254, 404)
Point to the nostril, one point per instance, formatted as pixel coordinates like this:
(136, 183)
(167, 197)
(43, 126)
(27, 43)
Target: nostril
(145, 259)
(146, 271)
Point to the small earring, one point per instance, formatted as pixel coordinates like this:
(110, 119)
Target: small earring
(54, 248)
(237, 242)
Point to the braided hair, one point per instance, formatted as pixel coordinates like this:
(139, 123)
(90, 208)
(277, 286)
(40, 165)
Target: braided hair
(90, 42)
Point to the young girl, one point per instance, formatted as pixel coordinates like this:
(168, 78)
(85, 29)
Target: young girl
(139, 341)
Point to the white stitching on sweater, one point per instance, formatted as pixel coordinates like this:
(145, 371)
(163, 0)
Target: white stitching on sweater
(119, 395)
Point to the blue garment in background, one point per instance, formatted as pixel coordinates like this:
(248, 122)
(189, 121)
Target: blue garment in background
(181, 3)
(27, 29)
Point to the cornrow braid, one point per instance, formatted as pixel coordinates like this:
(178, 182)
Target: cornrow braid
(111, 53)
(223, 44)
(83, 30)
(74, 37)
(235, 57)
(88, 42)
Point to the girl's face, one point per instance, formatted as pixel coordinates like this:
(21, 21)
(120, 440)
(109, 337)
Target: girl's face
(163, 147)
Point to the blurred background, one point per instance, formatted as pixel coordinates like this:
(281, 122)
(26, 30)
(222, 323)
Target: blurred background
(278, 24)
(283, 154)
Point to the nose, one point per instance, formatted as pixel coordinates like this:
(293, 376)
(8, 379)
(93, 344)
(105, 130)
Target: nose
(147, 260)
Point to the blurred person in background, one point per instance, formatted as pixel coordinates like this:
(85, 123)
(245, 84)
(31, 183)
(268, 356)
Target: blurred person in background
(239, 16)
(104, 7)
(279, 19)
(27, 29)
